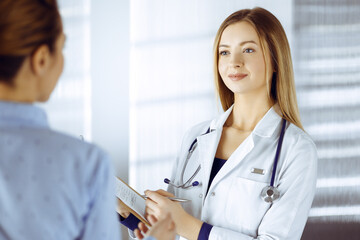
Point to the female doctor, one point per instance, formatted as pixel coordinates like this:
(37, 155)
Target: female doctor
(251, 172)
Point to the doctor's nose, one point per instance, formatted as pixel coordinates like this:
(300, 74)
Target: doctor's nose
(236, 61)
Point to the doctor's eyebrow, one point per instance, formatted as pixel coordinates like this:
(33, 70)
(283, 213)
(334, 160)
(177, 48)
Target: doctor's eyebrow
(242, 43)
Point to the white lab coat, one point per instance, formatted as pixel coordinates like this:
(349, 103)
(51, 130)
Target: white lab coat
(233, 204)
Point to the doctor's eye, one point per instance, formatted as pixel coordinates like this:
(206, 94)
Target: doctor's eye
(224, 53)
(249, 50)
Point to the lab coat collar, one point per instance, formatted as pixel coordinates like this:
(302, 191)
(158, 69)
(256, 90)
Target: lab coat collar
(218, 123)
(207, 145)
(264, 128)
(268, 124)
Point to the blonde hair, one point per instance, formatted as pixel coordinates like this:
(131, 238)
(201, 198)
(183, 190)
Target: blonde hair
(273, 40)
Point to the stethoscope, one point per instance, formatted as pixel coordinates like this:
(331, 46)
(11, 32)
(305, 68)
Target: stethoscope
(269, 193)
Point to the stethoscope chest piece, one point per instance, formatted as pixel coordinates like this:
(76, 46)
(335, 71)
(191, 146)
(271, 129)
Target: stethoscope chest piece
(269, 194)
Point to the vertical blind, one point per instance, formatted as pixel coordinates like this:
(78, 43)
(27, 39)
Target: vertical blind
(327, 69)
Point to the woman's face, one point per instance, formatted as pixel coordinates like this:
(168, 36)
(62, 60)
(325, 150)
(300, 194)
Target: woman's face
(241, 60)
(55, 69)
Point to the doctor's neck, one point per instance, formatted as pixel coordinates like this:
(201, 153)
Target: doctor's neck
(248, 111)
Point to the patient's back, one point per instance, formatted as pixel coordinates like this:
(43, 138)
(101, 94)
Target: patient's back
(52, 186)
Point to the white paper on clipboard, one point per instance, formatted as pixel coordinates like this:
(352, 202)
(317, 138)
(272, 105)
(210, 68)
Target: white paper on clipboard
(130, 197)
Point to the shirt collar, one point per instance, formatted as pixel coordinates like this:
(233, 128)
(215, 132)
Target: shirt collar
(264, 128)
(22, 114)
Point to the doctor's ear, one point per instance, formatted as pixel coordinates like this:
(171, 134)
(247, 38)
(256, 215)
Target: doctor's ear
(40, 60)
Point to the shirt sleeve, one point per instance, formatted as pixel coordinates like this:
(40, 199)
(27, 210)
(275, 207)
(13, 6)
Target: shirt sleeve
(131, 222)
(205, 231)
(100, 221)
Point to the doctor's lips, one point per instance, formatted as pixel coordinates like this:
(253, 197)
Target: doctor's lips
(237, 76)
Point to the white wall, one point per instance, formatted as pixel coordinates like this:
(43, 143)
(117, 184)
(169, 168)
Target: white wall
(110, 80)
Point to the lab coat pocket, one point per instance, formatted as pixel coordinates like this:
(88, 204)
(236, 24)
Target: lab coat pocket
(245, 208)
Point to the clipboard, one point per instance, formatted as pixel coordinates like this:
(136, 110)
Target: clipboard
(132, 199)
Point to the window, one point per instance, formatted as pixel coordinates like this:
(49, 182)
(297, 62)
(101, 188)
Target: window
(69, 108)
(327, 68)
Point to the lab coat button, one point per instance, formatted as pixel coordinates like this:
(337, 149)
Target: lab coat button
(213, 194)
(200, 196)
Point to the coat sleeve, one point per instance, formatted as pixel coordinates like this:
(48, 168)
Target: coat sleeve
(287, 216)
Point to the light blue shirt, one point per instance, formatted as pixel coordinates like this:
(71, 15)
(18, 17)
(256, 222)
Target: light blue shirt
(52, 186)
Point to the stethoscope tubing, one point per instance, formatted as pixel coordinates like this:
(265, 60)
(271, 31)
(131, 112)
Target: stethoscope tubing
(190, 151)
(278, 150)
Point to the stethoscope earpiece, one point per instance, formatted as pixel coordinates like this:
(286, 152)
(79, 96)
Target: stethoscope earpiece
(269, 194)
(196, 183)
(166, 180)
(193, 184)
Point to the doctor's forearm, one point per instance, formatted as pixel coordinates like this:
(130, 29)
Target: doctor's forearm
(188, 227)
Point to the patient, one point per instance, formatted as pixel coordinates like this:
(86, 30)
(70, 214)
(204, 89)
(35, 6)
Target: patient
(52, 186)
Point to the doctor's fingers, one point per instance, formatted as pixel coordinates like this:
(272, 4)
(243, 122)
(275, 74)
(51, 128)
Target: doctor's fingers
(151, 206)
(151, 212)
(168, 221)
(138, 234)
(156, 197)
(152, 219)
(164, 229)
(156, 210)
(143, 228)
(164, 193)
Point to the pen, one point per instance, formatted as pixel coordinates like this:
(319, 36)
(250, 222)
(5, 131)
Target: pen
(175, 199)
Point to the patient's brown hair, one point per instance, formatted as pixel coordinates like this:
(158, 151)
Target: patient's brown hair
(24, 26)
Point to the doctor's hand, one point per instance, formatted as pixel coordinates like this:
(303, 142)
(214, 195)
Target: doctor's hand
(159, 206)
(122, 209)
(164, 229)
